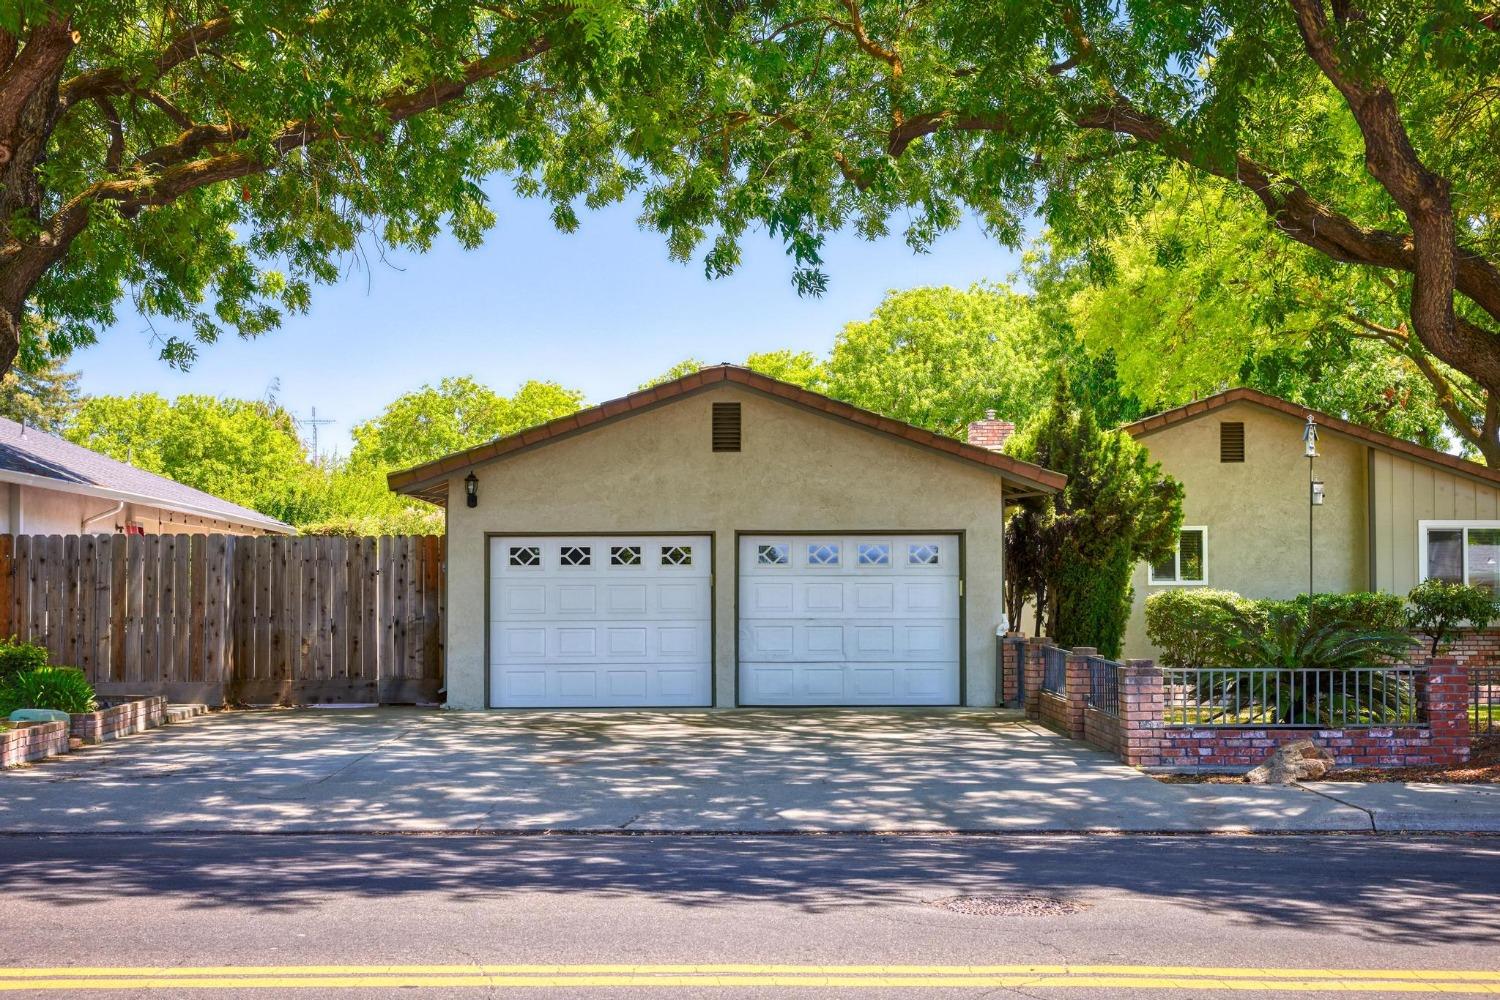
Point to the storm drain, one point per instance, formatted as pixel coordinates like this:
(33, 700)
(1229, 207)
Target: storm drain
(1007, 906)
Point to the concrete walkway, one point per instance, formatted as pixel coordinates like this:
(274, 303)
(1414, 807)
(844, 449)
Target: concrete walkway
(394, 770)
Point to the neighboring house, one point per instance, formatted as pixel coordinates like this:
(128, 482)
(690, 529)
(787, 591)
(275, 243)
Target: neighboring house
(723, 539)
(49, 486)
(1393, 513)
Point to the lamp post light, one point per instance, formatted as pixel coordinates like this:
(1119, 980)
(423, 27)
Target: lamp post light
(1314, 491)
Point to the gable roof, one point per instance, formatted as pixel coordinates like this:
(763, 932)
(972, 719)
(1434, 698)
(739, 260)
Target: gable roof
(35, 458)
(429, 481)
(1198, 408)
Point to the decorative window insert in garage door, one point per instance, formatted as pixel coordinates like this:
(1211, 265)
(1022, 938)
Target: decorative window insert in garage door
(849, 619)
(600, 621)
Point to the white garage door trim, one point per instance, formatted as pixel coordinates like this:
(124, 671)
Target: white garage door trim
(849, 619)
(600, 621)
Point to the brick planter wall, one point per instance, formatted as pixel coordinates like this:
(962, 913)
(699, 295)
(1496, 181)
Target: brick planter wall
(1052, 712)
(134, 716)
(1102, 730)
(1474, 648)
(1145, 741)
(28, 742)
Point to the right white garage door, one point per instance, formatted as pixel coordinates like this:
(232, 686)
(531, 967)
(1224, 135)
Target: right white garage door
(848, 620)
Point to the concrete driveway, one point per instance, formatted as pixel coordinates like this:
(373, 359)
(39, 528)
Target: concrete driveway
(422, 770)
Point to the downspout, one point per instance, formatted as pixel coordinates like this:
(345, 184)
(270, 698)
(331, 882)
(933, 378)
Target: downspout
(111, 512)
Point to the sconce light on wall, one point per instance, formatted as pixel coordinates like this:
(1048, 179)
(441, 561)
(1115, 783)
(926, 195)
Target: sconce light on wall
(471, 489)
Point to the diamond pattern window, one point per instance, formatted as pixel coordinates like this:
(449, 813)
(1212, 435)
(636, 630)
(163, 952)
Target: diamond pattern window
(923, 554)
(875, 554)
(525, 555)
(624, 555)
(823, 554)
(772, 555)
(676, 555)
(577, 555)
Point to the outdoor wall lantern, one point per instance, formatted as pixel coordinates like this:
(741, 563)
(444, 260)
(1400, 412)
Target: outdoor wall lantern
(471, 489)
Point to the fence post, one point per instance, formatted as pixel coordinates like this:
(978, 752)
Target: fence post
(1142, 703)
(1446, 699)
(1012, 662)
(1076, 687)
(1034, 669)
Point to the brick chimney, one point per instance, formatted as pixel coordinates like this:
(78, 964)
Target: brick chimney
(989, 432)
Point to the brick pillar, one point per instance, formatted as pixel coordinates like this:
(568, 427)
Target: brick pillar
(1034, 669)
(1012, 660)
(1076, 688)
(1446, 698)
(1142, 701)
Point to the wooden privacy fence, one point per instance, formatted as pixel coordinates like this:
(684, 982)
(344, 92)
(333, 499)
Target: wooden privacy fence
(268, 620)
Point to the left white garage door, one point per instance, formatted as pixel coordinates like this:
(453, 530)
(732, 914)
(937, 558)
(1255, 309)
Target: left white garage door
(600, 621)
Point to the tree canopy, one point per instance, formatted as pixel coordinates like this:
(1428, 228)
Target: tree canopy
(46, 397)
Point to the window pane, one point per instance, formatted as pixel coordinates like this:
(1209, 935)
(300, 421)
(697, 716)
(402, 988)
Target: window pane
(1166, 570)
(1483, 558)
(1445, 557)
(1190, 546)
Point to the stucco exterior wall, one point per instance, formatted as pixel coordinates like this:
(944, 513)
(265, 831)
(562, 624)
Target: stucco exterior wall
(33, 510)
(1407, 493)
(654, 472)
(1256, 511)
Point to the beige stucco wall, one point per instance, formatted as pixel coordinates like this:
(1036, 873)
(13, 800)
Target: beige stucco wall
(1256, 511)
(1407, 493)
(653, 472)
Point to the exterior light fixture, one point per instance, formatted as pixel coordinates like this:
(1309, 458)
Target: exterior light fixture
(471, 489)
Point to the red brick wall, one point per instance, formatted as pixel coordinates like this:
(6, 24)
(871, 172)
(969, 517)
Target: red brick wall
(1150, 743)
(1102, 730)
(32, 742)
(135, 716)
(1012, 658)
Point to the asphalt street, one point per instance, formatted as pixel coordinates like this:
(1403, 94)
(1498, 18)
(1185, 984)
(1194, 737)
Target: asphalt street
(715, 916)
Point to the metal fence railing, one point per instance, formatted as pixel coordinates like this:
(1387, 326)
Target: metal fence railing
(1484, 700)
(1104, 685)
(1270, 697)
(1054, 670)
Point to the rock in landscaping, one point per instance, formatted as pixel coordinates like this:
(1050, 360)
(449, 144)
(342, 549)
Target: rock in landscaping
(1299, 760)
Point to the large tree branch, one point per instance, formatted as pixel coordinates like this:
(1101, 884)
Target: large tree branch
(109, 81)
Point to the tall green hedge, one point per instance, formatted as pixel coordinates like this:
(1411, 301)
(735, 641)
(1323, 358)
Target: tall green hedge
(1187, 624)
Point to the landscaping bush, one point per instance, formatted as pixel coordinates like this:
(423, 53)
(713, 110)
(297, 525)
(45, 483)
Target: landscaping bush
(1440, 609)
(1188, 625)
(64, 689)
(18, 657)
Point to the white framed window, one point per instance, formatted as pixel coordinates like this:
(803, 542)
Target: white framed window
(1187, 566)
(1460, 552)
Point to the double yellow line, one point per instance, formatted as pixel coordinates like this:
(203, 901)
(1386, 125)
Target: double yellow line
(1156, 977)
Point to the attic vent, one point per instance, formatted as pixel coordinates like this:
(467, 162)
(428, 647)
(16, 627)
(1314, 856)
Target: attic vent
(726, 431)
(1232, 442)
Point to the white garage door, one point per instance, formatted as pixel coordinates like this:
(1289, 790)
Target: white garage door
(599, 621)
(848, 620)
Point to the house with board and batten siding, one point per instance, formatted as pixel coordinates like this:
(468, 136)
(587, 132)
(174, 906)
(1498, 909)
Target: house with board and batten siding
(1392, 513)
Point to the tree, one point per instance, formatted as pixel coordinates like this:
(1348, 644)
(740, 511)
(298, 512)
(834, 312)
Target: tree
(686, 366)
(213, 161)
(814, 115)
(940, 357)
(797, 367)
(45, 397)
(245, 451)
(1198, 294)
(1073, 552)
(457, 413)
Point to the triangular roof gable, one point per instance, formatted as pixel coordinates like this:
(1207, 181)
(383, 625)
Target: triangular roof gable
(1399, 446)
(428, 480)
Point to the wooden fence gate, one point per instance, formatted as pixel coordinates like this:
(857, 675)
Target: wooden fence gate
(268, 620)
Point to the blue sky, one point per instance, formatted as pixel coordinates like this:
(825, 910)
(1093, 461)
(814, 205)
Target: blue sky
(601, 310)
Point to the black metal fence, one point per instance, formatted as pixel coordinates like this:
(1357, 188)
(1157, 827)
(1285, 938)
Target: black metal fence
(1273, 698)
(1054, 670)
(1484, 701)
(1104, 685)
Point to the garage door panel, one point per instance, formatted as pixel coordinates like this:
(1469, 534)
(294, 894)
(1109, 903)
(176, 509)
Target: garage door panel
(849, 620)
(600, 621)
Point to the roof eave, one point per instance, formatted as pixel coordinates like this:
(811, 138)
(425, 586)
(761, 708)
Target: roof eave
(129, 496)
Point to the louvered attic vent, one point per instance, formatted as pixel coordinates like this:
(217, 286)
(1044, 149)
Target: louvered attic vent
(726, 430)
(1232, 442)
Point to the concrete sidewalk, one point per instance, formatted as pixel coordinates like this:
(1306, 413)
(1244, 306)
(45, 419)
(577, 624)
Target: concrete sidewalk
(408, 770)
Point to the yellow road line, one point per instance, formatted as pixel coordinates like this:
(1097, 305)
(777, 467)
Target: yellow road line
(1260, 972)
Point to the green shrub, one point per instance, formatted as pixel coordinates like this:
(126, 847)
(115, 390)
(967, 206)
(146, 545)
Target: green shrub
(17, 657)
(1363, 611)
(1188, 625)
(1440, 609)
(1278, 634)
(64, 689)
